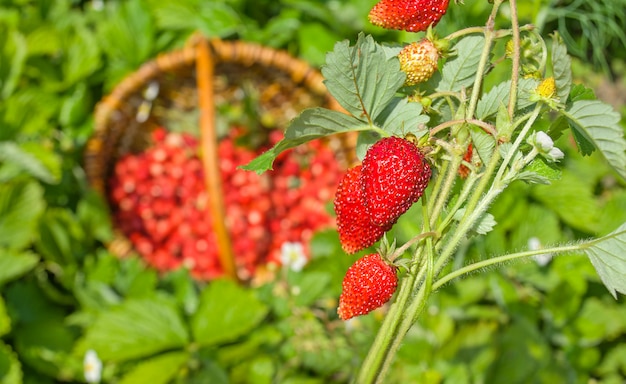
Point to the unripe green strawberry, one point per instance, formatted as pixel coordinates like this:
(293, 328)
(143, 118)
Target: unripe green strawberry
(395, 175)
(369, 283)
(408, 15)
(419, 61)
(356, 231)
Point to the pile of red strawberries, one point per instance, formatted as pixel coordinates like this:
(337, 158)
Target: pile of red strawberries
(160, 202)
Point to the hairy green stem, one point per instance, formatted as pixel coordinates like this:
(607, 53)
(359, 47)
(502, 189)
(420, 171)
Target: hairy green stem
(516, 60)
(517, 142)
(465, 192)
(380, 350)
(421, 288)
(502, 259)
(444, 193)
(484, 58)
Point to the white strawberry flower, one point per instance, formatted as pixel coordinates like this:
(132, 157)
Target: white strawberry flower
(545, 146)
(292, 256)
(543, 142)
(555, 154)
(92, 367)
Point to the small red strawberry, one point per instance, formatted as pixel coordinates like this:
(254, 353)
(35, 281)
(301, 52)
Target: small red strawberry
(356, 232)
(408, 15)
(395, 175)
(369, 283)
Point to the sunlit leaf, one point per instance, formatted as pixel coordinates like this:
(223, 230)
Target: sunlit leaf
(10, 366)
(11, 152)
(226, 312)
(15, 264)
(137, 328)
(402, 117)
(598, 123)
(561, 68)
(157, 370)
(311, 124)
(460, 70)
(20, 208)
(362, 78)
(608, 256)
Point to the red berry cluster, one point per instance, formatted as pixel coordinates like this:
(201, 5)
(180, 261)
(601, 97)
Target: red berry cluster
(371, 197)
(160, 202)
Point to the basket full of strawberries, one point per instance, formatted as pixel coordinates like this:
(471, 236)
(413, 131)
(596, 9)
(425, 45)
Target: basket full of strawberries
(166, 149)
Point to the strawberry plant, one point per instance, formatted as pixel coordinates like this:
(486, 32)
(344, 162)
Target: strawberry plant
(477, 133)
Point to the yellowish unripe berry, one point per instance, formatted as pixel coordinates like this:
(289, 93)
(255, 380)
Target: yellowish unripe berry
(419, 61)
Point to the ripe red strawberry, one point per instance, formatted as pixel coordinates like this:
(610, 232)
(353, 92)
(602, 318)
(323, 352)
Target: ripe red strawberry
(408, 15)
(355, 229)
(395, 175)
(369, 283)
(419, 61)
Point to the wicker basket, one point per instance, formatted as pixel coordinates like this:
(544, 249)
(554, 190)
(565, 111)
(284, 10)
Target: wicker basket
(199, 77)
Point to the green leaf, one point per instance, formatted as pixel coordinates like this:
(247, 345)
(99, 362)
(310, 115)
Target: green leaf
(83, 55)
(126, 34)
(5, 320)
(362, 78)
(483, 225)
(212, 18)
(14, 264)
(608, 256)
(307, 287)
(311, 124)
(498, 96)
(561, 68)
(572, 199)
(580, 92)
(135, 329)
(93, 215)
(60, 236)
(460, 71)
(226, 312)
(21, 204)
(483, 143)
(10, 367)
(598, 123)
(12, 153)
(157, 370)
(540, 172)
(402, 117)
(13, 53)
(76, 106)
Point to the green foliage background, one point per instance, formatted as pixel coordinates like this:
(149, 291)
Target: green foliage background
(62, 293)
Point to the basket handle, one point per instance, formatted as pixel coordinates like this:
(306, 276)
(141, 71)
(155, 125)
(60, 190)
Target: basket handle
(210, 157)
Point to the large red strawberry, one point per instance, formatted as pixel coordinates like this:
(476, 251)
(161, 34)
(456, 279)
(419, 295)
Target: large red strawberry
(395, 175)
(356, 231)
(369, 283)
(408, 15)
